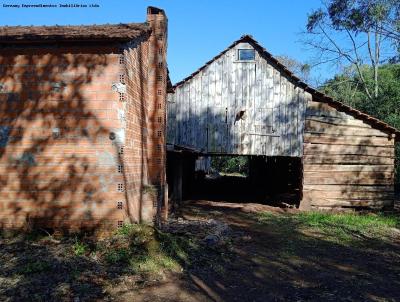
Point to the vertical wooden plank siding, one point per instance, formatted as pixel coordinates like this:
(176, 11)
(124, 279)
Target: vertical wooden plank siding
(207, 105)
(171, 117)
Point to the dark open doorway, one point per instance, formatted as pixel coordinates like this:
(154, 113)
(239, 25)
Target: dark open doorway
(275, 181)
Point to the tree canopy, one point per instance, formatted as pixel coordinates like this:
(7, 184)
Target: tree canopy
(357, 33)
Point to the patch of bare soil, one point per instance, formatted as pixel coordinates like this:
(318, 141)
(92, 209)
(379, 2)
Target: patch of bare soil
(246, 207)
(285, 263)
(237, 258)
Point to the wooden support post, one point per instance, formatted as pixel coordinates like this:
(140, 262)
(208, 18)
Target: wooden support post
(165, 207)
(177, 180)
(188, 175)
(257, 171)
(252, 171)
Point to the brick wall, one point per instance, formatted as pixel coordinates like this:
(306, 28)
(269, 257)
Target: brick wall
(82, 132)
(57, 163)
(144, 111)
(74, 145)
(157, 82)
(136, 113)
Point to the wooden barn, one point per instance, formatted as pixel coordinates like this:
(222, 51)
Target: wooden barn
(245, 102)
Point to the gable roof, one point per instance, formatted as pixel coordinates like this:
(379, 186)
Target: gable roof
(107, 32)
(317, 95)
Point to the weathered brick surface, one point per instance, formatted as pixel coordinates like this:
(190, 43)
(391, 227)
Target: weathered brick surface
(71, 148)
(157, 105)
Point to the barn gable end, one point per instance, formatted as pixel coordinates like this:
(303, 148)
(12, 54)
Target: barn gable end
(238, 107)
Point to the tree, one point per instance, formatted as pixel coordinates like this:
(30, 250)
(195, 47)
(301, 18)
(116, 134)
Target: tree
(227, 164)
(356, 32)
(302, 70)
(346, 87)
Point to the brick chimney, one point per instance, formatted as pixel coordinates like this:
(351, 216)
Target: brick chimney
(157, 80)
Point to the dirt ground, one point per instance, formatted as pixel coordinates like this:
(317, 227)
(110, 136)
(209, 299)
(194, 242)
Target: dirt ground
(265, 262)
(272, 264)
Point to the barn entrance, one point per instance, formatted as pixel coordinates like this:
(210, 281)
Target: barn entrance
(274, 181)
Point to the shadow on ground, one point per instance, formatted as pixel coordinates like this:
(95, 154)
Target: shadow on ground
(275, 259)
(282, 262)
(239, 189)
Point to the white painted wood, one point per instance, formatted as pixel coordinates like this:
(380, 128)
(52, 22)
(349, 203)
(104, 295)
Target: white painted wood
(171, 111)
(207, 106)
(203, 111)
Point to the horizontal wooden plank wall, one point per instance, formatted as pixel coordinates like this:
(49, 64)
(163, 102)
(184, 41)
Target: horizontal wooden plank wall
(202, 112)
(347, 163)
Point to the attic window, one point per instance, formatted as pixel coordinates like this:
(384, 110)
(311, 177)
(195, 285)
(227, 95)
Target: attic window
(246, 54)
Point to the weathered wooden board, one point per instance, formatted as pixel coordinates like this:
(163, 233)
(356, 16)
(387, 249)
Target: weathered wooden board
(327, 202)
(313, 126)
(320, 149)
(342, 168)
(171, 117)
(340, 121)
(350, 179)
(347, 140)
(351, 175)
(207, 109)
(366, 195)
(348, 188)
(325, 110)
(347, 159)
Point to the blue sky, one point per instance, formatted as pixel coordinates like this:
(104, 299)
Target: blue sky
(198, 30)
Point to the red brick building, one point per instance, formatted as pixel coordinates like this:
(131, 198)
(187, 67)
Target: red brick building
(82, 124)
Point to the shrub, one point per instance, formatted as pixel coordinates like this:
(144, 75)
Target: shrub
(79, 248)
(227, 164)
(36, 266)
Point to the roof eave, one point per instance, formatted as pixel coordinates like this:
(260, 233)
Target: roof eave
(319, 95)
(70, 40)
(131, 31)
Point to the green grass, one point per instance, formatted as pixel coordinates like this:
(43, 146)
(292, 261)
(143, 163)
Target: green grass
(137, 248)
(145, 249)
(34, 266)
(118, 255)
(359, 222)
(153, 263)
(79, 248)
(342, 228)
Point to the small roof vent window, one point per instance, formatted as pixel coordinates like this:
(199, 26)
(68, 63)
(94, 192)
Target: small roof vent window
(246, 54)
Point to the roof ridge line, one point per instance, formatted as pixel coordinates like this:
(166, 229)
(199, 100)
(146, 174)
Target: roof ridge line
(320, 96)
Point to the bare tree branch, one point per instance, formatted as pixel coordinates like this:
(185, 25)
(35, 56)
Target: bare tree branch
(369, 48)
(358, 67)
(339, 50)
